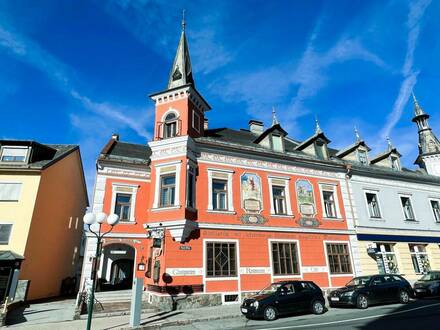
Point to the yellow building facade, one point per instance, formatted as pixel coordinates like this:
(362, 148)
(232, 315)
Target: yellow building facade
(43, 197)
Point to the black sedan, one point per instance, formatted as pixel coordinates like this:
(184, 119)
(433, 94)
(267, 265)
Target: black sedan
(284, 298)
(367, 290)
(428, 285)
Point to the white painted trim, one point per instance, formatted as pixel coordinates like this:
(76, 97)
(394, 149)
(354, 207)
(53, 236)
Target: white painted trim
(211, 176)
(335, 197)
(298, 252)
(159, 173)
(219, 170)
(286, 196)
(409, 196)
(133, 193)
(174, 162)
(430, 199)
(376, 192)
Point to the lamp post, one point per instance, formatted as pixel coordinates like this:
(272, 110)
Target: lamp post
(94, 222)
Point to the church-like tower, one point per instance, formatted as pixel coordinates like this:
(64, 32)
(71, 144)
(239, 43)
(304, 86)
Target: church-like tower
(429, 145)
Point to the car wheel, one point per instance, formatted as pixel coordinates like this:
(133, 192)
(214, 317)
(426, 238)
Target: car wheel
(270, 313)
(362, 302)
(403, 297)
(318, 307)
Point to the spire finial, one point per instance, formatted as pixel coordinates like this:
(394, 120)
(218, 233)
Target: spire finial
(356, 133)
(390, 145)
(417, 109)
(274, 117)
(183, 20)
(317, 127)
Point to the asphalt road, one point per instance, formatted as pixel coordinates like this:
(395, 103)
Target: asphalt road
(417, 315)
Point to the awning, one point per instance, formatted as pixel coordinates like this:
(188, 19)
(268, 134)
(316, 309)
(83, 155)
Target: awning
(10, 256)
(398, 238)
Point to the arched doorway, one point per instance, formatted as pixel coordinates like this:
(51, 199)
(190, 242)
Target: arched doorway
(116, 267)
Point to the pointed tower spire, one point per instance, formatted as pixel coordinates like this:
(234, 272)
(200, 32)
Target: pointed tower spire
(181, 71)
(317, 127)
(390, 145)
(274, 117)
(356, 133)
(418, 111)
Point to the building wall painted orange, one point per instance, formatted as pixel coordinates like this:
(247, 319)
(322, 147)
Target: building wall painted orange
(52, 249)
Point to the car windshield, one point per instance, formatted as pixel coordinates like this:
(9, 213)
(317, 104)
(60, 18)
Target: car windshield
(359, 281)
(270, 289)
(430, 277)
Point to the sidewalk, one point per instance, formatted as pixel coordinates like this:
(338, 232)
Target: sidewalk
(148, 320)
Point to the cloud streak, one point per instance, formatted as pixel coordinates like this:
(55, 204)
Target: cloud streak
(415, 15)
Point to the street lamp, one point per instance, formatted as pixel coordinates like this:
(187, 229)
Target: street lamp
(94, 222)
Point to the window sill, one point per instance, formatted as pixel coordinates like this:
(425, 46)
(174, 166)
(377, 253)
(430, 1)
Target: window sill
(377, 219)
(131, 222)
(290, 216)
(221, 211)
(286, 276)
(166, 208)
(225, 278)
(411, 220)
(332, 219)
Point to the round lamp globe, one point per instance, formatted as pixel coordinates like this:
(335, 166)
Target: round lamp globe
(113, 219)
(100, 217)
(89, 218)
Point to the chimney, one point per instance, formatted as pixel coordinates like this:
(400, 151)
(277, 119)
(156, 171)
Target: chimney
(205, 124)
(256, 126)
(115, 136)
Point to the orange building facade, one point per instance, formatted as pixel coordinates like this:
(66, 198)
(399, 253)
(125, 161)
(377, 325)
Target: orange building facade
(215, 214)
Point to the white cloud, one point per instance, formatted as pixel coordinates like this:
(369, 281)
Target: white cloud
(415, 15)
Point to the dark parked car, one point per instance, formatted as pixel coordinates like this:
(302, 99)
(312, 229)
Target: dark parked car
(428, 285)
(368, 290)
(284, 298)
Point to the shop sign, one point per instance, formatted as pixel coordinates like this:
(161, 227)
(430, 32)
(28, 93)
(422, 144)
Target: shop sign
(254, 270)
(185, 248)
(184, 271)
(314, 269)
(118, 252)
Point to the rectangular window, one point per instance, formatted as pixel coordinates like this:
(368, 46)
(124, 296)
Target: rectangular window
(277, 143)
(9, 192)
(167, 190)
(329, 204)
(419, 258)
(435, 205)
(407, 208)
(14, 154)
(279, 199)
(395, 163)
(373, 205)
(338, 258)
(5, 233)
(319, 150)
(123, 206)
(190, 192)
(285, 258)
(221, 260)
(196, 121)
(386, 259)
(362, 157)
(219, 194)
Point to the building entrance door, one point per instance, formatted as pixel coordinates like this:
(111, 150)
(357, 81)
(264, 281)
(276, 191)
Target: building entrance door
(122, 273)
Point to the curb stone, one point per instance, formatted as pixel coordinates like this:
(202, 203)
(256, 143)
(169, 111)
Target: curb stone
(184, 322)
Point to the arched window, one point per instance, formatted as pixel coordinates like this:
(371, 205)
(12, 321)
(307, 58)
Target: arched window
(170, 125)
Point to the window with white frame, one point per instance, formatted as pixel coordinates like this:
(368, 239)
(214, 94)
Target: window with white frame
(10, 191)
(190, 187)
(407, 208)
(435, 206)
(14, 154)
(220, 190)
(221, 259)
(277, 142)
(167, 183)
(285, 258)
(419, 258)
(386, 259)
(170, 125)
(5, 233)
(362, 157)
(123, 206)
(124, 201)
(373, 204)
(167, 190)
(329, 201)
(196, 121)
(279, 195)
(395, 164)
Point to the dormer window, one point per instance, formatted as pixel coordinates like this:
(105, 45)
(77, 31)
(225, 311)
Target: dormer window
(170, 126)
(320, 149)
(395, 164)
(277, 143)
(362, 157)
(14, 154)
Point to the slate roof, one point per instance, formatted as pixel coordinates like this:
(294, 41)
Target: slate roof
(42, 155)
(132, 153)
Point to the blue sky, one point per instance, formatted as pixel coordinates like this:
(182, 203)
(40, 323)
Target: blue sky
(77, 71)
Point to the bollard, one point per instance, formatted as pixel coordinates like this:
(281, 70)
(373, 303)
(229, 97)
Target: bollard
(136, 302)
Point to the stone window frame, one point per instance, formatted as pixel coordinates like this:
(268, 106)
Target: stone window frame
(298, 253)
(166, 169)
(280, 181)
(347, 243)
(10, 232)
(127, 189)
(222, 174)
(409, 196)
(430, 200)
(325, 186)
(205, 256)
(375, 192)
